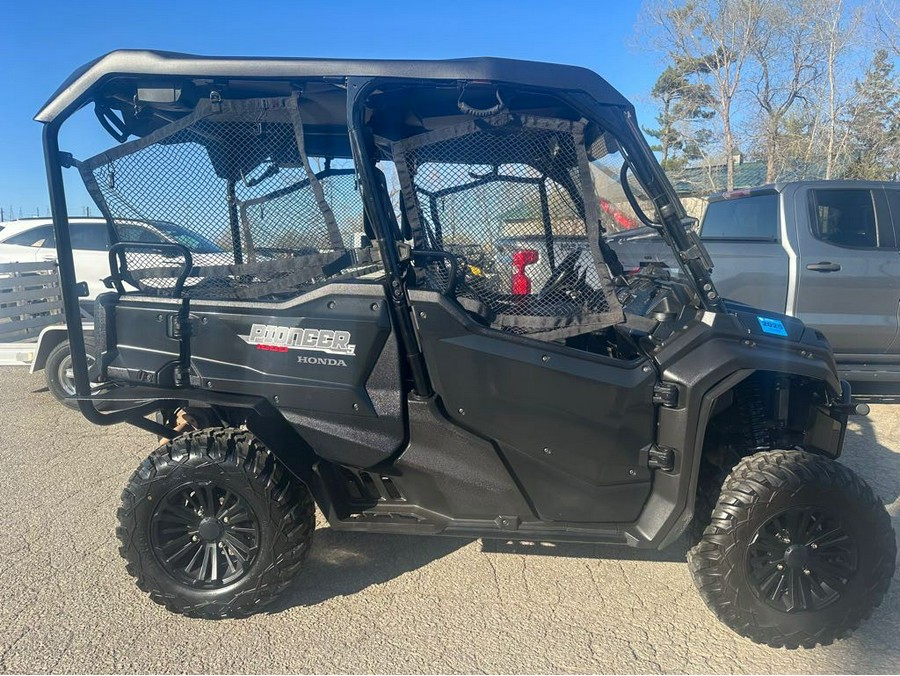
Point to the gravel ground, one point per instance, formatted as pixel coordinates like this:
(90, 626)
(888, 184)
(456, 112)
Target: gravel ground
(365, 603)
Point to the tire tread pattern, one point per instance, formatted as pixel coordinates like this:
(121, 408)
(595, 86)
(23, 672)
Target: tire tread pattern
(716, 561)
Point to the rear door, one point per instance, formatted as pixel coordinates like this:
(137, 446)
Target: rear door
(742, 236)
(849, 268)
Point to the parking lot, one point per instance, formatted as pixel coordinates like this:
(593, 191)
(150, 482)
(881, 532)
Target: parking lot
(365, 603)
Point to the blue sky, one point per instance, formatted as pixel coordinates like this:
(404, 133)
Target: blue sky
(43, 42)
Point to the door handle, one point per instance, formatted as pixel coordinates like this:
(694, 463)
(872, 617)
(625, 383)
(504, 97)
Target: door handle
(824, 266)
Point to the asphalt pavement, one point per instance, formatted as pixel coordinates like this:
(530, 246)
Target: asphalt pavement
(366, 603)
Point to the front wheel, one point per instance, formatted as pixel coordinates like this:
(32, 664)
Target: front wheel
(799, 550)
(211, 525)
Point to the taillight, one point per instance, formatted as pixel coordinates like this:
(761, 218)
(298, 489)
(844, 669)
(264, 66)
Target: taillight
(521, 284)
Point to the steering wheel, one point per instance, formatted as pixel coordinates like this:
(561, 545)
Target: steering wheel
(560, 278)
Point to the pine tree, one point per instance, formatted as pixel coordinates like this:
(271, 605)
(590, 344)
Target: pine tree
(874, 123)
(684, 106)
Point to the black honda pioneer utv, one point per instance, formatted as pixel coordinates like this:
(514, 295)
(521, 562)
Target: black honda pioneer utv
(356, 339)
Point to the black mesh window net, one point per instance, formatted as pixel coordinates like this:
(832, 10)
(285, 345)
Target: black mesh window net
(510, 198)
(233, 184)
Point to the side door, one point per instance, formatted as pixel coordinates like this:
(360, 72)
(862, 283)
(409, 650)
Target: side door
(743, 237)
(572, 426)
(848, 267)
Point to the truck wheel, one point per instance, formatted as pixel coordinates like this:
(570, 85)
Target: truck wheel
(58, 371)
(798, 553)
(212, 525)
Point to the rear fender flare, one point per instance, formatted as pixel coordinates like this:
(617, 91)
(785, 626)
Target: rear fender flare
(48, 339)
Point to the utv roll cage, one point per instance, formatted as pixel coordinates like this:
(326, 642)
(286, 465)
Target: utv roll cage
(147, 94)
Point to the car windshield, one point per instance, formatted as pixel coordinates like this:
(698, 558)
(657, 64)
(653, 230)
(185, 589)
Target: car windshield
(192, 240)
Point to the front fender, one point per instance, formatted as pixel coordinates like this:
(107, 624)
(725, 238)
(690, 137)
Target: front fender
(704, 362)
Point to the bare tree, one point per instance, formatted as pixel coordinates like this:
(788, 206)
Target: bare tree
(886, 20)
(787, 63)
(721, 35)
(837, 29)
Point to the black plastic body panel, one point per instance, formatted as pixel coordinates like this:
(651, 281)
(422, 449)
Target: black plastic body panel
(453, 472)
(346, 403)
(571, 425)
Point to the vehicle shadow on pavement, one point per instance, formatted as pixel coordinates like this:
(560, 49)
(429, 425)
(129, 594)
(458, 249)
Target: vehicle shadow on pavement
(345, 563)
(873, 647)
(878, 464)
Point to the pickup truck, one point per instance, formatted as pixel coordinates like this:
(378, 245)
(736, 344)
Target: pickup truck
(826, 252)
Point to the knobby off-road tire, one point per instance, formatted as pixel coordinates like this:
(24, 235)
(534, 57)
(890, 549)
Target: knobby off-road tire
(211, 525)
(57, 368)
(798, 553)
(709, 487)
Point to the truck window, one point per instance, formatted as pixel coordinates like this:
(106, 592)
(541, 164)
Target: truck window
(845, 218)
(754, 217)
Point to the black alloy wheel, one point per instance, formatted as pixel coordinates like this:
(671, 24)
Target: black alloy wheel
(205, 536)
(801, 559)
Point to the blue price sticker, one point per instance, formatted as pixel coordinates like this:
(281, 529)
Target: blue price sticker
(774, 327)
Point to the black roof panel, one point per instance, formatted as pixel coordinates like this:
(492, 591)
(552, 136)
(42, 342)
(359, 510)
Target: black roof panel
(155, 64)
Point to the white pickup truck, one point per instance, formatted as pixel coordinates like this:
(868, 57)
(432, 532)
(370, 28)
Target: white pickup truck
(827, 252)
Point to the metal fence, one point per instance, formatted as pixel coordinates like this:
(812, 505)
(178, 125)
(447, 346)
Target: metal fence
(30, 299)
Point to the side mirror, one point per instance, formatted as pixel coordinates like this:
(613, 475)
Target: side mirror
(82, 289)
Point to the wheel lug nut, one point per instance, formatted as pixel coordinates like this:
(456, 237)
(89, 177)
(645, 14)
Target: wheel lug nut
(195, 538)
(780, 566)
(806, 571)
(225, 520)
(814, 546)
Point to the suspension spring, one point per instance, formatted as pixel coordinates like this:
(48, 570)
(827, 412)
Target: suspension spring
(749, 400)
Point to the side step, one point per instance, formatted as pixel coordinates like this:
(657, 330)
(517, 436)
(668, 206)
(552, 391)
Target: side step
(413, 520)
(875, 381)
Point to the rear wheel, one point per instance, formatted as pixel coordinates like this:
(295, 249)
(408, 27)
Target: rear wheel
(212, 526)
(799, 550)
(59, 374)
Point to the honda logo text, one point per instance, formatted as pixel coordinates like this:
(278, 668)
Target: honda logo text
(321, 361)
